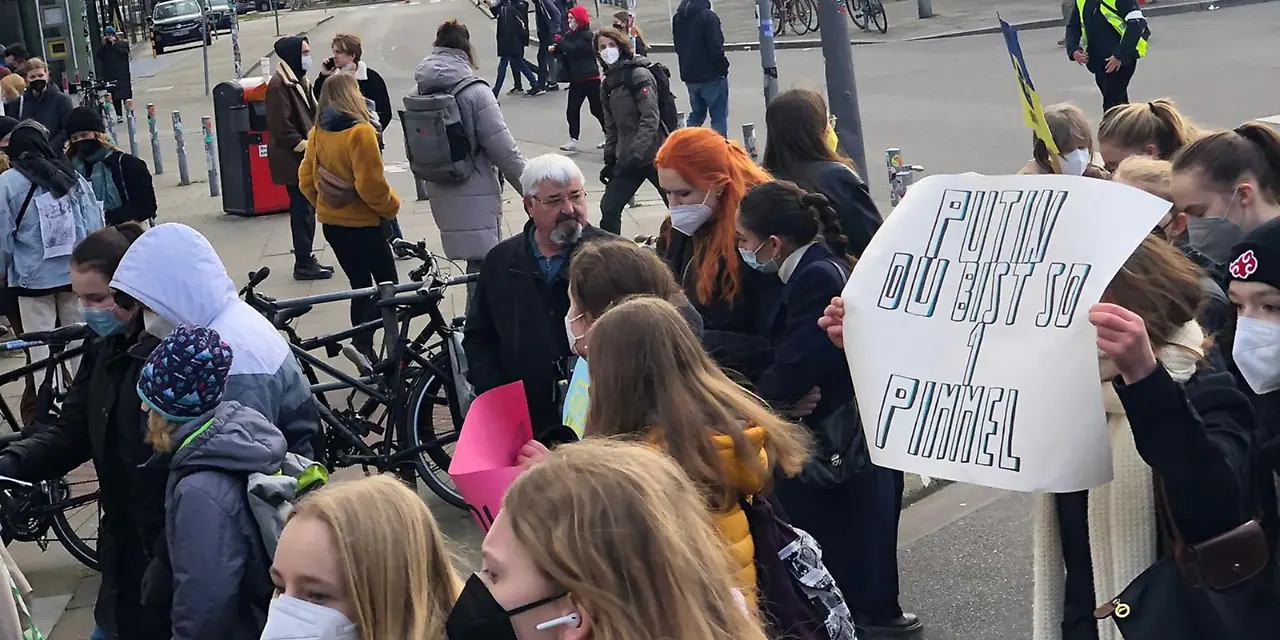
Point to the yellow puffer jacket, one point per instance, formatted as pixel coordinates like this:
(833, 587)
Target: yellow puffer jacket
(732, 524)
(349, 150)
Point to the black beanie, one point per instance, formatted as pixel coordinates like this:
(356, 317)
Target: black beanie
(1256, 258)
(85, 119)
(6, 125)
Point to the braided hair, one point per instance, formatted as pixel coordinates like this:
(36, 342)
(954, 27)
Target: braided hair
(798, 217)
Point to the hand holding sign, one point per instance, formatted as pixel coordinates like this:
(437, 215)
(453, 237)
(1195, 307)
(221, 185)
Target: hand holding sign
(1122, 336)
(832, 321)
(484, 463)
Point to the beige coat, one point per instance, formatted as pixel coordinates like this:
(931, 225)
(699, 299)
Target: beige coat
(15, 612)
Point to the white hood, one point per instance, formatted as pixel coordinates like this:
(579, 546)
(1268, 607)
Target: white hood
(176, 273)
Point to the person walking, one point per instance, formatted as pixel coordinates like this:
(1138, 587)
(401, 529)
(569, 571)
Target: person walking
(633, 130)
(1108, 37)
(580, 67)
(43, 102)
(513, 37)
(469, 214)
(347, 52)
(113, 61)
(121, 182)
(704, 69)
(291, 112)
(548, 19)
(341, 176)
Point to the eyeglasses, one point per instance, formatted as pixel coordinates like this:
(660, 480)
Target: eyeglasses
(575, 197)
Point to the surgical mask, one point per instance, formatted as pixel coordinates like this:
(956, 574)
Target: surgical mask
(754, 262)
(102, 321)
(306, 63)
(688, 218)
(1257, 353)
(610, 55)
(156, 325)
(1075, 162)
(568, 332)
(573, 24)
(289, 618)
(1214, 237)
(477, 615)
(38, 86)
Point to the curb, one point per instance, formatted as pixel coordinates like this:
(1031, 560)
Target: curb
(1028, 25)
(271, 54)
(915, 490)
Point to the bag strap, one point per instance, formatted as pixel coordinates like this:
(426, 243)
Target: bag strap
(17, 222)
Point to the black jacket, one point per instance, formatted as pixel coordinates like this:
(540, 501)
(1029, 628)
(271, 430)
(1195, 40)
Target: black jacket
(515, 326)
(734, 333)
(699, 42)
(1197, 437)
(513, 26)
(133, 183)
(51, 109)
(849, 196)
(372, 87)
(578, 56)
(1103, 41)
(101, 420)
(113, 64)
(550, 21)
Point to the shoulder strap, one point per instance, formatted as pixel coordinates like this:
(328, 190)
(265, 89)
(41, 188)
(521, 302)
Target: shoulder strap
(463, 84)
(841, 269)
(17, 222)
(117, 175)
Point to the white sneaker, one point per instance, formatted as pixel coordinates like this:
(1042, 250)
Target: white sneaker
(601, 145)
(570, 146)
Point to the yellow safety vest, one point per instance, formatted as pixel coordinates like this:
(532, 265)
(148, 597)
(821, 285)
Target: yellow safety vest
(1113, 16)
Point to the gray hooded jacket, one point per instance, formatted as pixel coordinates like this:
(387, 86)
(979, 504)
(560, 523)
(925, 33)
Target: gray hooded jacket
(468, 214)
(221, 587)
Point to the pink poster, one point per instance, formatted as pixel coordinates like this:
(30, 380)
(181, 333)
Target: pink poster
(484, 460)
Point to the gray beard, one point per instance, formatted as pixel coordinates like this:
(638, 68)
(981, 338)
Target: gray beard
(565, 236)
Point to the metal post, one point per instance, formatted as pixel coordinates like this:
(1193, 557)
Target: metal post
(110, 118)
(924, 8)
(768, 62)
(206, 127)
(421, 187)
(235, 36)
(155, 139)
(749, 139)
(204, 49)
(275, 11)
(842, 91)
(184, 178)
(130, 121)
(264, 64)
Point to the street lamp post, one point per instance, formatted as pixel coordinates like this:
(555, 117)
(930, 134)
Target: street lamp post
(842, 91)
(768, 61)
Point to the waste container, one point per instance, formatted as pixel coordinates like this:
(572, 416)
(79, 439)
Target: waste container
(240, 115)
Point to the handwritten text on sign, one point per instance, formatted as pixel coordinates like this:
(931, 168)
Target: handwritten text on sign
(966, 329)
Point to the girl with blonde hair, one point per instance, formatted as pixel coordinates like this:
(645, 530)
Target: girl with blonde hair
(1073, 137)
(362, 560)
(603, 540)
(1153, 129)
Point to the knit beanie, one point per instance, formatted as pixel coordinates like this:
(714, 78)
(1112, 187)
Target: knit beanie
(185, 377)
(6, 125)
(1256, 258)
(85, 119)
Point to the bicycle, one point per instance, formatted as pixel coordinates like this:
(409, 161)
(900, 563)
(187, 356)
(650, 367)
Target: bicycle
(96, 94)
(862, 12)
(800, 15)
(412, 378)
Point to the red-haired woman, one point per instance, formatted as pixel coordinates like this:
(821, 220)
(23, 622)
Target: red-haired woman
(705, 177)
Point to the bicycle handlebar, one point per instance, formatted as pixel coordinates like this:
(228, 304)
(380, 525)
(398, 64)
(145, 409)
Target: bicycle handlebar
(60, 336)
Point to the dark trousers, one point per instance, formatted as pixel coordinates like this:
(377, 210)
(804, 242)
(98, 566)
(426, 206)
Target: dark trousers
(588, 90)
(619, 192)
(365, 258)
(519, 66)
(1115, 86)
(856, 524)
(302, 223)
(546, 66)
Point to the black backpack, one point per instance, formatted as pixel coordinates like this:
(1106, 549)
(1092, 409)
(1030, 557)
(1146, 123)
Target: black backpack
(668, 115)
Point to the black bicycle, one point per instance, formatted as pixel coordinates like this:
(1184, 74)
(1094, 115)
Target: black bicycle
(96, 94)
(394, 399)
(67, 507)
(862, 12)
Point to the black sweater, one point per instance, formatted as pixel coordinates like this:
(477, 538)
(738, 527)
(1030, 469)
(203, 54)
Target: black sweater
(372, 87)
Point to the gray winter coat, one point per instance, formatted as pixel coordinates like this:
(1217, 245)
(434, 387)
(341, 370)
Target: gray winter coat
(632, 119)
(221, 587)
(468, 214)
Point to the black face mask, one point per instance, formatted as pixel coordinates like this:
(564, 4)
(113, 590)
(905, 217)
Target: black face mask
(85, 148)
(477, 616)
(38, 86)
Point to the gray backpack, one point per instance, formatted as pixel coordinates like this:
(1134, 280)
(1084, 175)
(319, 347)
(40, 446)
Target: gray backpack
(435, 138)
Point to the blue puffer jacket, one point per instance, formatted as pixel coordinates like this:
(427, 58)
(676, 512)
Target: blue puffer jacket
(27, 267)
(174, 271)
(220, 585)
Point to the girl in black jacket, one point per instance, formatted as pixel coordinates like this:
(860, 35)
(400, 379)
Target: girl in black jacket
(579, 68)
(121, 182)
(513, 37)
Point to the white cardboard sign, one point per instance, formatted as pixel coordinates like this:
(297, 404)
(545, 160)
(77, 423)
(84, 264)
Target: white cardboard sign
(967, 331)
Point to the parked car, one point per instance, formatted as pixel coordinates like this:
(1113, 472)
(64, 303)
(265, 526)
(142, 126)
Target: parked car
(245, 6)
(176, 22)
(268, 5)
(219, 15)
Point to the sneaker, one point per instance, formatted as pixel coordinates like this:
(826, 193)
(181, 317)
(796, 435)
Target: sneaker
(516, 91)
(600, 145)
(536, 91)
(571, 146)
(553, 87)
(119, 119)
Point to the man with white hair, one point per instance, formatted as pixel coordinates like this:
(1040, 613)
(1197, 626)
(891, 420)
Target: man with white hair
(515, 326)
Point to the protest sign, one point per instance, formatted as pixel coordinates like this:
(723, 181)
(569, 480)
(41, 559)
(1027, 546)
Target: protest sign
(574, 415)
(1032, 113)
(484, 460)
(967, 332)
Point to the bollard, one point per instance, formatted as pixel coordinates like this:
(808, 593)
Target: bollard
(184, 178)
(206, 127)
(924, 9)
(749, 139)
(421, 187)
(264, 64)
(111, 119)
(155, 138)
(235, 37)
(901, 176)
(133, 127)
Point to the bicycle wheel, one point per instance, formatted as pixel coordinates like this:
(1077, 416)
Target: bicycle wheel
(858, 13)
(426, 424)
(812, 20)
(878, 16)
(798, 17)
(778, 14)
(76, 517)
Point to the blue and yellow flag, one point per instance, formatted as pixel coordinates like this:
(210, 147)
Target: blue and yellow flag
(1032, 113)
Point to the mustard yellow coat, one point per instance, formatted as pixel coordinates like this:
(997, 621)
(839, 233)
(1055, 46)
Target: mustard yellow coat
(732, 524)
(351, 154)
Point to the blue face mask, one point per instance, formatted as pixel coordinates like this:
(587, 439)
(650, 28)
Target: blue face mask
(752, 261)
(102, 321)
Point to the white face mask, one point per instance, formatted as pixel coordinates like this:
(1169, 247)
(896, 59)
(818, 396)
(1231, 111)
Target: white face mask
(610, 55)
(156, 325)
(568, 333)
(688, 218)
(1074, 163)
(1257, 354)
(573, 24)
(306, 63)
(292, 619)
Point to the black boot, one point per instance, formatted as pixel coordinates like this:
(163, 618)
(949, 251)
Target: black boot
(311, 270)
(907, 625)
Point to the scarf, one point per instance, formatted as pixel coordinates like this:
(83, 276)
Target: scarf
(30, 153)
(1122, 513)
(94, 168)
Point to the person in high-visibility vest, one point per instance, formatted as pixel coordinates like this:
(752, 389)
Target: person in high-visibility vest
(1108, 37)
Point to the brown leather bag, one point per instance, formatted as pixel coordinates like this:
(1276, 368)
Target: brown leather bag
(1223, 561)
(334, 191)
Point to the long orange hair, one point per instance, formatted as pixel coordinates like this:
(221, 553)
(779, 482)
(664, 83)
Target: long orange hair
(707, 161)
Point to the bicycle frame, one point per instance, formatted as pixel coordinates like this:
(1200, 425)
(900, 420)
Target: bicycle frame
(58, 354)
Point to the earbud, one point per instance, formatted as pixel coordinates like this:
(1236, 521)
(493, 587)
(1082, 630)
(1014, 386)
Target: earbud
(569, 620)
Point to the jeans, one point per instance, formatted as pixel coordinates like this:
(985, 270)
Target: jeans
(302, 223)
(1115, 86)
(712, 96)
(366, 260)
(588, 90)
(619, 192)
(519, 66)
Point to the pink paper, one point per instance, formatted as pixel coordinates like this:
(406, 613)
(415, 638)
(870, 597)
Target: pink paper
(484, 460)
